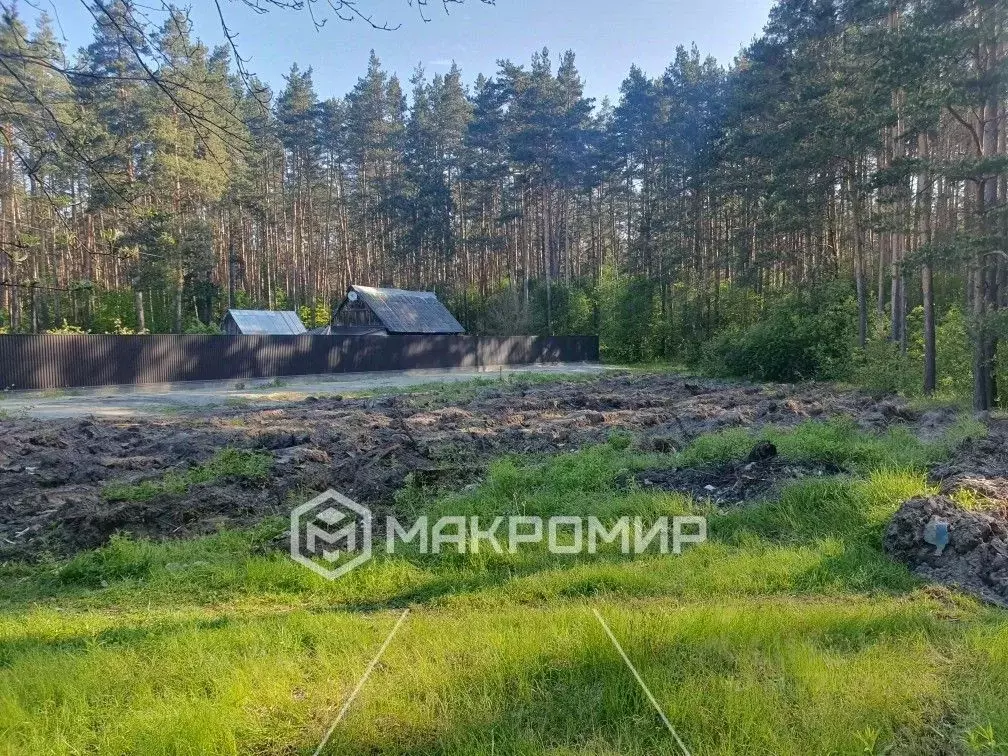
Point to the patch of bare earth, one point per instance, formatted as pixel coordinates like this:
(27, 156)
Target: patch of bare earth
(52, 473)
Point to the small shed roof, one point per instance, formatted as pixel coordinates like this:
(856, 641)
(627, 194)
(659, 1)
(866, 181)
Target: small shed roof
(267, 322)
(402, 311)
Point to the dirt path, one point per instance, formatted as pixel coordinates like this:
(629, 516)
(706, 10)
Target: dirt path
(53, 473)
(119, 402)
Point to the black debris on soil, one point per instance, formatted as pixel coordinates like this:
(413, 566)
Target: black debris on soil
(763, 451)
(976, 557)
(731, 484)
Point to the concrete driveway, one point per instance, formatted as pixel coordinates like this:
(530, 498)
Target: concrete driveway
(161, 399)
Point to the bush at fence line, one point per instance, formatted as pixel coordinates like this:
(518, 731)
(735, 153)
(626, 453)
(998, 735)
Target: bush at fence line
(501, 313)
(629, 319)
(66, 328)
(315, 317)
(195, 327)
(567, 309)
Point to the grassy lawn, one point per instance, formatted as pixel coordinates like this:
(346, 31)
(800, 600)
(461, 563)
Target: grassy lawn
(788, 632)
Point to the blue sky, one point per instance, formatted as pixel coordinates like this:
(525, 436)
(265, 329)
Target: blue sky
(606, 35)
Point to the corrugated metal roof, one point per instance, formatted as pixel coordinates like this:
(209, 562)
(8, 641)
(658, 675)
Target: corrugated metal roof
(404, 311)
(267, 322)
(348, 330)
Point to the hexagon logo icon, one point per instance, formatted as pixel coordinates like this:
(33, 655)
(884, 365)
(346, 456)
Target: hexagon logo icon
(333, 528)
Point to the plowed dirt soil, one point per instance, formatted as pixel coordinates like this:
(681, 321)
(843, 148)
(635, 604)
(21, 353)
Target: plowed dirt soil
(53, 473)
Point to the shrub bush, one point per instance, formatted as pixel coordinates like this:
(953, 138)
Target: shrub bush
(313, 317)
(195, 327)
(629, 327)
(954, 354)
(881, 367)
(805, 335)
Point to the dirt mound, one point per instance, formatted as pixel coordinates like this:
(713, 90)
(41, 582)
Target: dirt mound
(943, 542)
(978, 466)
(52, 474)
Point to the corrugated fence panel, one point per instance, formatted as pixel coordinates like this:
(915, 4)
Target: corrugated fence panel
(77, 360)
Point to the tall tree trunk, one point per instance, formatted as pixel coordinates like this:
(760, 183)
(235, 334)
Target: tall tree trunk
(138, 303)
(925, 194)
(986, 199)
(859, 263)
(180, 283)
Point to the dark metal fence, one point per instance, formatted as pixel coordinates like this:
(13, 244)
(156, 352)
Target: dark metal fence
(72, 360)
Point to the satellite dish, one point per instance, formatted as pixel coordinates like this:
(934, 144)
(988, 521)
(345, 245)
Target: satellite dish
(352, 296)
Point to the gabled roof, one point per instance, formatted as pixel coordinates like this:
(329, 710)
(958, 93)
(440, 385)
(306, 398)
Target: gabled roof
(402, 311)
(348, 330)
(267, 322)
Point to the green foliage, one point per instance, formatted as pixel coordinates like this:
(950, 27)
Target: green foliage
(620, 441)
(114, 313)
(837, 441)
(281, 301)
(629, 312)
(672, 222)
(571, 308)
(238, 464)
(954, 353)
(501, 313)
(67, 328)
(884, 368)
(244, 301)
(320, 315)
(195, 326)
(805, 335)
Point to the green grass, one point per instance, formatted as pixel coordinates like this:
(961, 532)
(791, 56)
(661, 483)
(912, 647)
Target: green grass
(240, 464)
(465, 390)
(837, 441)
(788, 632)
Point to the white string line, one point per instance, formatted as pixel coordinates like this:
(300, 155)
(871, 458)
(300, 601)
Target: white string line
(643, 685)
(367, 674)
